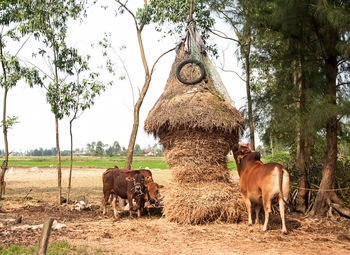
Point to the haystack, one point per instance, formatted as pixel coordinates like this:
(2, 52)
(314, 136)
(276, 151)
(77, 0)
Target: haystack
(197, 125)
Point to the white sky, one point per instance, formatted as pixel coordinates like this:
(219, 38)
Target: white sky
(110, 118)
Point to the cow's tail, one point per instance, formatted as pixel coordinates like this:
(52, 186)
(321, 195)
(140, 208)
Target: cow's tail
(280, 187)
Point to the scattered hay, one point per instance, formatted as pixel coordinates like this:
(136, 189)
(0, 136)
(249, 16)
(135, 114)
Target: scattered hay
(203, 203)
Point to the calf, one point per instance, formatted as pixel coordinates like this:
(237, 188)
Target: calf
(127, 185)
(261, 184)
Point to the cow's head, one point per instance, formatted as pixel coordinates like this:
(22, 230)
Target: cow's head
(240, 152)
(138, 183)
(153, 192)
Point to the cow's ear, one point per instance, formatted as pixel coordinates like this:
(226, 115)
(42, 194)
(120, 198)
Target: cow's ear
(239, 158)
(160, 186)
(129, 178)
(257, 155)
(235, 147)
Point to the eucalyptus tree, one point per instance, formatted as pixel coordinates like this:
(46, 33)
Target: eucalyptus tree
(11, 68)
(80, 95)
(140, 19)
(48, 23)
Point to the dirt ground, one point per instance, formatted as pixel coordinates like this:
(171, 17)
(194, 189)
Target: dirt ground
(19, 220)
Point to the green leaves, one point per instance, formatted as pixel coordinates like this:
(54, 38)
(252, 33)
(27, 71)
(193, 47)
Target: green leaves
(176, 12)
(9, 122)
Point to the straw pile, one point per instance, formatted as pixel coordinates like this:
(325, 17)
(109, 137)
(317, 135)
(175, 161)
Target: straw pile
(200, 203)
(197, 127)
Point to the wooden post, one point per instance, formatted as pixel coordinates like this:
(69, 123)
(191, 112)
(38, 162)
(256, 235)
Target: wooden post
(45, 234)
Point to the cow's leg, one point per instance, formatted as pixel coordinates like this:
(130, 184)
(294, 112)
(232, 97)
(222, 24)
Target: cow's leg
(282, 210)
(138, 212)
(257, 211)
(121, 203)
(115, 212)
(106, 194)
(131, 206)
(267, 209)
(248, 204)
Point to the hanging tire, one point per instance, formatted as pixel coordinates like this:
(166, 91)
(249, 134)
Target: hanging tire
(190, 61)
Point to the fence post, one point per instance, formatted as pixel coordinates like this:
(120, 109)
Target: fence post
(45, 234)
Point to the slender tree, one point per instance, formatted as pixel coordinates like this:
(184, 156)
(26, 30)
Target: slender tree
(49, 24)
(140, 21)
(81, 95)
(11, 69)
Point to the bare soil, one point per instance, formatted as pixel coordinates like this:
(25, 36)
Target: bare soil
(153, 234)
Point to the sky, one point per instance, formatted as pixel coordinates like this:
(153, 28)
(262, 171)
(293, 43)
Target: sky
(111, 117)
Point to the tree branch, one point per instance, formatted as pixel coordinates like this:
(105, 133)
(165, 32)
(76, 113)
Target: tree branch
(130, 12)
(160, 58)
(231, 71)
(224, 36)
(343, 83)
(20, 48)
(127, 74)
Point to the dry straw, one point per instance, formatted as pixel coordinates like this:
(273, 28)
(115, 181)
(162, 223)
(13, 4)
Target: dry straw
(201, 203)
(197, 127)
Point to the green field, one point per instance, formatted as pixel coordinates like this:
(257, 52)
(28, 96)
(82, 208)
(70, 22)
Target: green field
(96, 162)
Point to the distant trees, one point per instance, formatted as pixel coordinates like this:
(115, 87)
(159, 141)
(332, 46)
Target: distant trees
(42, 152)
(113, 150)
(98, 149)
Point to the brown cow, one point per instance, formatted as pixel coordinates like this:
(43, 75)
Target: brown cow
(152, 188)
(127, 185)
(261, 184)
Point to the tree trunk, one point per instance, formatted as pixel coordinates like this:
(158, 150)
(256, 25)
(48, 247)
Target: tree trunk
(301, 200)
(324, 196)
(271, 146)
(4, 124)
(135, 126)
(129, 156)
(301, 157)
(5, 163)
(59, 171)
(71, 160)
(249, 98)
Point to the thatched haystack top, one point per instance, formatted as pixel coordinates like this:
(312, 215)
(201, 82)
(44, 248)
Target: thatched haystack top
(198, 106)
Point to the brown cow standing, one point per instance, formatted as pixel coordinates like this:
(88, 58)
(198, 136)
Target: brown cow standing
(261, 184)
(127, 185)
(152, 188)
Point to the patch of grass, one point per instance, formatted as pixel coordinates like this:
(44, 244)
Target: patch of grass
(58, 248)
(105, 162)
(16, 250)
